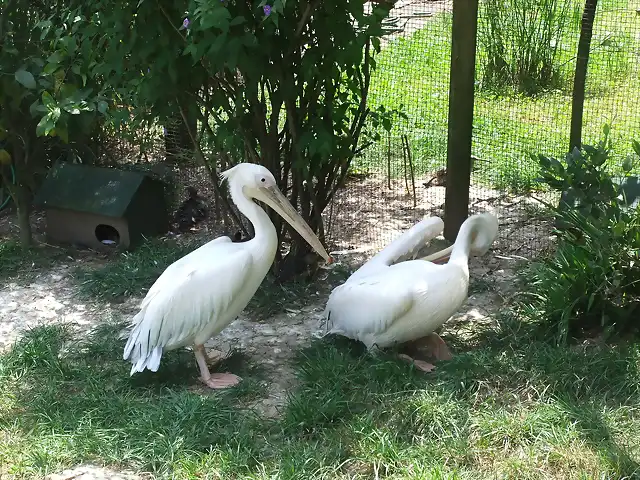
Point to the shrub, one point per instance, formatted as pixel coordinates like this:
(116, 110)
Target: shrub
(591, 284)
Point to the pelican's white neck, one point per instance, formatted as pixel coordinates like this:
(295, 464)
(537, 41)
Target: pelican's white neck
(462, 245)
(265, 232)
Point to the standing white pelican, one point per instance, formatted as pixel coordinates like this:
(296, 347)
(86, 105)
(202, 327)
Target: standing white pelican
(203, 292)
(386, 303)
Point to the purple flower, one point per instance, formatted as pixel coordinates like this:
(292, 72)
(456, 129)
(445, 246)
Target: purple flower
(186, 22)
(267, 10)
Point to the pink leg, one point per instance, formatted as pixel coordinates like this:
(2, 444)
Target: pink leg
(430, 345)
(215, 380)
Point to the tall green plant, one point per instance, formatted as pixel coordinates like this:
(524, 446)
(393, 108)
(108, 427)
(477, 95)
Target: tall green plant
(592, 282)
(520, 41)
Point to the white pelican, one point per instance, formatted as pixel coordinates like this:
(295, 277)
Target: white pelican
(392, 302)
(203, 292)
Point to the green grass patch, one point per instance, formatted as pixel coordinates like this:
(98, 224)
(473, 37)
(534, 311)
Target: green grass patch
(514, 409)
(511, 407)
(23, 265)
(414, 71)
(66, 401)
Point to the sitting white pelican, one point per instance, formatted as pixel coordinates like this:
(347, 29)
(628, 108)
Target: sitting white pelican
(203, 292)
(389, 301)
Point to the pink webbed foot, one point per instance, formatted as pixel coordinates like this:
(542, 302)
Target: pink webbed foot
(419, 364)
(213, 380)
(221, 380)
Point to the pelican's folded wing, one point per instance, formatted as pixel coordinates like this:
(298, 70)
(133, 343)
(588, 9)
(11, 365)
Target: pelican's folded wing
(368, 306)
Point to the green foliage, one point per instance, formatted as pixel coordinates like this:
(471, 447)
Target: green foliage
(592, 282)
(45, 70)
(46, 91)
(284, 85)
(521, 40)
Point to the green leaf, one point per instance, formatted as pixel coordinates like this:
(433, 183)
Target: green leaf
(62, 133)
(216, 18)
(237, 21)
(102, 106)
(619, 228)
(50, 68)
(43, 126)
(25, 79)
(48, 100)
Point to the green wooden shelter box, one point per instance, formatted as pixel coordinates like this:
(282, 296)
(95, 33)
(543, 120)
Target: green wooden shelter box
(102, 208)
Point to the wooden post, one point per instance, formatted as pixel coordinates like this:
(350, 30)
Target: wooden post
(461, 90)
(580, 78)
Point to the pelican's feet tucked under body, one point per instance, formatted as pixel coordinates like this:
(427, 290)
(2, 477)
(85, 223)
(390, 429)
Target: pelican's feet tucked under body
(430, 346)
(213, 380)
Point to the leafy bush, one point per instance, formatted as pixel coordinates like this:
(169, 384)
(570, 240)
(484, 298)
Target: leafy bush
(591, 284)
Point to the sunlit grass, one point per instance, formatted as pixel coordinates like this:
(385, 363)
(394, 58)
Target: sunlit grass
(414, 72)
(510, 407)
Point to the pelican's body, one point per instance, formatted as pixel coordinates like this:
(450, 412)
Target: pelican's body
(389, 301)
(203, 292)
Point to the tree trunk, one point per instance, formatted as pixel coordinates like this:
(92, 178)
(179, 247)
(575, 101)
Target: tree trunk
(21, 193)
(23, 204)
(177, 140)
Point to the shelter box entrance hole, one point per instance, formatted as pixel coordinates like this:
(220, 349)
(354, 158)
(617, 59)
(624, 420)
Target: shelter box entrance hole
(102, 208)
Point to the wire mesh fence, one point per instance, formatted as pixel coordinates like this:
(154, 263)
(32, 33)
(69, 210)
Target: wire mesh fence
(398, 180)
(525, 66)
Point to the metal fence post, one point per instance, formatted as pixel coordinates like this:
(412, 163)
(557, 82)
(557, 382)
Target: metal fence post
(580, 78)
(461, 96)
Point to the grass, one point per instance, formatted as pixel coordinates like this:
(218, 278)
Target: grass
(66, 401)
(414, 71)
(18, 264)
(510, 407)
(131, 273)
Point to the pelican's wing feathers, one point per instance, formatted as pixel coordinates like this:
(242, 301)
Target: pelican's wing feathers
(405, 247)
(370, 305)
(185, 299)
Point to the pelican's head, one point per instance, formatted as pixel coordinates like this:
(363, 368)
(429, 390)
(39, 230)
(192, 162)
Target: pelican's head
(484, 230)
(258, 182)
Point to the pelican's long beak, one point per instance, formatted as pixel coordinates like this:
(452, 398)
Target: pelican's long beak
(276, 200)
(439, 257)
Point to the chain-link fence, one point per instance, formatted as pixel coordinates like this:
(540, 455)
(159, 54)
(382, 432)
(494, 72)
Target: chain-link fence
(525, 66)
